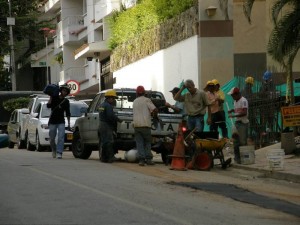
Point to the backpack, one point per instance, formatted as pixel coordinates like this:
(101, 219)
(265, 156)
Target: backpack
(51, 90)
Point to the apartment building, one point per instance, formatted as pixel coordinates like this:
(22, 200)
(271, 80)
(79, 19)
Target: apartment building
(223, 45)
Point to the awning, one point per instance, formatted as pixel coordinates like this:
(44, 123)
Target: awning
(97, 50)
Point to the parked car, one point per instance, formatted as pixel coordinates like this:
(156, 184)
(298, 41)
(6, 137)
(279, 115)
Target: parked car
(32, 105)
(38, 130)
(14, 127)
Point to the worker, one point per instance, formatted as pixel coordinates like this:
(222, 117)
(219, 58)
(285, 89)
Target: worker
(195, 102)
(248, 92)
(240, 112)
(107, 126)
(143, 108)
(219, 119)
(178, 107)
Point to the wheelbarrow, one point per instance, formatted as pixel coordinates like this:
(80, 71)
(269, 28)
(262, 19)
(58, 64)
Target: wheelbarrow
(205, 151)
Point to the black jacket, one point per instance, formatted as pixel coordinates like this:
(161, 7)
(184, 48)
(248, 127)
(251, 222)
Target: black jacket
(58, 108)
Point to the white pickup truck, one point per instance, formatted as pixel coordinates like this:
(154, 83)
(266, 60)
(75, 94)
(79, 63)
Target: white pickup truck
(86, 137)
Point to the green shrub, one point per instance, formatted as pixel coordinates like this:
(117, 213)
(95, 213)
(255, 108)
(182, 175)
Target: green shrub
(16, 103)
(129, 23)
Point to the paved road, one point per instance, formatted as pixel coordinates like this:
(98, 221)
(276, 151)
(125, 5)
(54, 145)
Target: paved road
(36, 189)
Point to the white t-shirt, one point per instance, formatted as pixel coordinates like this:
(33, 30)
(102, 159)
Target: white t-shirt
(142, 108)
(239, 105)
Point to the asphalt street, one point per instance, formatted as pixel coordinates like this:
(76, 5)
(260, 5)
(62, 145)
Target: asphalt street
(37, 189)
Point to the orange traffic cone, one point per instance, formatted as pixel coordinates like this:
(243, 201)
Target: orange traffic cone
(178, 157)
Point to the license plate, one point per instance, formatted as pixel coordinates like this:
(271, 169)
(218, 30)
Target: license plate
(69, 136)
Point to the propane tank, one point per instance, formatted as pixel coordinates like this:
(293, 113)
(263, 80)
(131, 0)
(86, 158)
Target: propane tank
(131, 155)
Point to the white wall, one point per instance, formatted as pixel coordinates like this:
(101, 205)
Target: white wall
(163, 70)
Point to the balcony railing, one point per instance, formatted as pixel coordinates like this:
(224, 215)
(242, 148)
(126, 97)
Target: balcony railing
(73, 73)
(104, 8)
(52, 5)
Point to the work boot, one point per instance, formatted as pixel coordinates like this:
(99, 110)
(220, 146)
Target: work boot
(150, 162)
(142, 162)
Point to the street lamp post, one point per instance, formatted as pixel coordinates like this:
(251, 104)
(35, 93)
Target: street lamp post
(11, 22)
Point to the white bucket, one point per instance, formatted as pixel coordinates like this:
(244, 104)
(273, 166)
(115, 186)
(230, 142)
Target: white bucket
(276, 159)
(247, 154)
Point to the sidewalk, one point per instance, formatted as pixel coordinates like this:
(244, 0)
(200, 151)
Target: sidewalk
(291, 165)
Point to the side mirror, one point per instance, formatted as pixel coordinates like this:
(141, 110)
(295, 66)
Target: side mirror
(35, 115)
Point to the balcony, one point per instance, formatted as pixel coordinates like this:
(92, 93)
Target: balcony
(97, 50)
(52, 6)
(38, 59)
(73, 73)
(104, 8)
(70, 28)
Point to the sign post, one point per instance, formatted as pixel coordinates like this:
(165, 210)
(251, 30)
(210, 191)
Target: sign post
(74, 87)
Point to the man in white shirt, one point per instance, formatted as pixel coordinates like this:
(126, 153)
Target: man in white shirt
(240, 112)
(142, 110)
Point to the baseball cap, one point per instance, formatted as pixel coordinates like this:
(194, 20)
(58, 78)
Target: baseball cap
(234, 90)
(140, 90)
(175, 90)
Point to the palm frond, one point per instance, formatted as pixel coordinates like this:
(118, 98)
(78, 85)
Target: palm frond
(224, 7)
(278, 7)
(247, 8)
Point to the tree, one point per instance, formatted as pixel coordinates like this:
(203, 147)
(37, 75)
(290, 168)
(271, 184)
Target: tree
(26, 28)
(284, 41)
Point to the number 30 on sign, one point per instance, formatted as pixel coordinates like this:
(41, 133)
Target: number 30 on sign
(74, 87)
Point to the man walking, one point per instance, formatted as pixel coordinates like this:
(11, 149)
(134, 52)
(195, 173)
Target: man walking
(142, 110)
(196, 103)
(59, 106)
(241, 123)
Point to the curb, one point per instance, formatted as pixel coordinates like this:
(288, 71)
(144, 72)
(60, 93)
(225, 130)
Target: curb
(271, 174)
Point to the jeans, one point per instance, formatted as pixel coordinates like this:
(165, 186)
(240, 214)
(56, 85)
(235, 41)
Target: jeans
(60, 130)
(196, 122)
(240, 139)
(143, 140)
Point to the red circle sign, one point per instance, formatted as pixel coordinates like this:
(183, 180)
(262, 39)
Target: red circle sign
(74, 86)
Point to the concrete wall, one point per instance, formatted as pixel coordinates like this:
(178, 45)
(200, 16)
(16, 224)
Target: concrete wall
(163, 70)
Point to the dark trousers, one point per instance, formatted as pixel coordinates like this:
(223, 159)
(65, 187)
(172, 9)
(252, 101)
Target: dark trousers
(218, 120)
(106, 142)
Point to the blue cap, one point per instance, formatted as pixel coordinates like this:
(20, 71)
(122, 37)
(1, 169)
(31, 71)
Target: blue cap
(267, 75)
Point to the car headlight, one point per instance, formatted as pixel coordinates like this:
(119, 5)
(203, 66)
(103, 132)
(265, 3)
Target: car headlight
(45, 126)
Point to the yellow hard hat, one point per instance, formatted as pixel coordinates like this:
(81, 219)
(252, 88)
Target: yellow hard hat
(249, 80)
(215, 81)
(209, 83)
(110, 93)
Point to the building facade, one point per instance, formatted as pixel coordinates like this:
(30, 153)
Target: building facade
(222, 46)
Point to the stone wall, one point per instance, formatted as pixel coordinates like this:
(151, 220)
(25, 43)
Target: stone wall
(163, 36)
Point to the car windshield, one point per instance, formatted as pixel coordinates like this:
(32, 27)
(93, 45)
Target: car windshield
(75, 110)
(125, 99)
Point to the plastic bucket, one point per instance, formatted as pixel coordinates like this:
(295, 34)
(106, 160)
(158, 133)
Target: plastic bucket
(247, 154)
(276, 159)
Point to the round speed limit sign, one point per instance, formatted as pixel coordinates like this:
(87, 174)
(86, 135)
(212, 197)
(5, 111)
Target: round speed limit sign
(74, 87)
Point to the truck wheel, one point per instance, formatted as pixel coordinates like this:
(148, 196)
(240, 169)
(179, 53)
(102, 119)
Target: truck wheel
(29, 146)
(165, 157)
(78, 148)
(20, 142)
(38, 146)
(11, 144)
